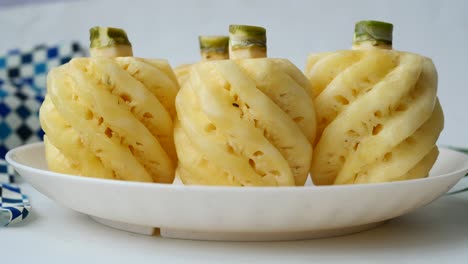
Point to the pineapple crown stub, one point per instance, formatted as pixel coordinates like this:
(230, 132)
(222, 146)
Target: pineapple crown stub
(218, 44)
(107, 37)
(373, 31)
(247, 36)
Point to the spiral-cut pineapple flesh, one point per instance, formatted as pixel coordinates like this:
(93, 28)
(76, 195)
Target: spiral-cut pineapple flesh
(57, 161)
(111, 118)
(246, 123)
(378, 116)
(182, 73)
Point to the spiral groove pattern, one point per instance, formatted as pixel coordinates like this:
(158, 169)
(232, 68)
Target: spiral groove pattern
(378, 116)
(245, 122)
(111, 118)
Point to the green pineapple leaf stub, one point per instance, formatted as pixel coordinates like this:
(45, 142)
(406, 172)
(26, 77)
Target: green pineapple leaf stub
(376, 32)
(101, 37)
(219, 44)
(242, 36)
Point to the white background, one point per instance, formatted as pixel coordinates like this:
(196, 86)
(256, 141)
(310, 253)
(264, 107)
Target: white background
(169, 29)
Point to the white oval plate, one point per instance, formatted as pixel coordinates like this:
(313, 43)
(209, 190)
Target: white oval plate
(235, 213)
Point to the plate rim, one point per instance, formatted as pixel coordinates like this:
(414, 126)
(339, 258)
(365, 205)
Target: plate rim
(9, 158)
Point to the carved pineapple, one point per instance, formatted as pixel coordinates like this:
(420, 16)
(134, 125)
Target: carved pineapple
(245, 122)
(377, 110)
(111, 117)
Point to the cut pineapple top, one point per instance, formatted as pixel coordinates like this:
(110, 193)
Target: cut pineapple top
(117, 114)
(245, 122)
(211, 48)
(378, 115)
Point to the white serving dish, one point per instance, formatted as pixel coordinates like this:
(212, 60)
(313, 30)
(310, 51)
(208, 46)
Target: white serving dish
(236, 213)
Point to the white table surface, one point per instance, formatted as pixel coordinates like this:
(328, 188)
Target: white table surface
(437, 233)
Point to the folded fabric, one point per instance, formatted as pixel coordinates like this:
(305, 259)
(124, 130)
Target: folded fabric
(6, 172)
(14, 206)
(22, 89)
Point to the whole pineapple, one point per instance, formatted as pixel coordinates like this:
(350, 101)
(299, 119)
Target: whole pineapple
(111, 115)
(377, 111)
(247, 121)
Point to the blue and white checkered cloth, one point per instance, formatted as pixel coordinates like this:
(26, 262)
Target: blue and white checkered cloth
(22, 90)
(14, 206)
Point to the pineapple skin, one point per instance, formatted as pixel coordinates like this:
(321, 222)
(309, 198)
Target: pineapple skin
(111, 118)
(378, 116)
(247, 122)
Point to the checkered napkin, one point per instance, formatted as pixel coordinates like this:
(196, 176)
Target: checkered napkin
(22, 89)
(14, 206)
